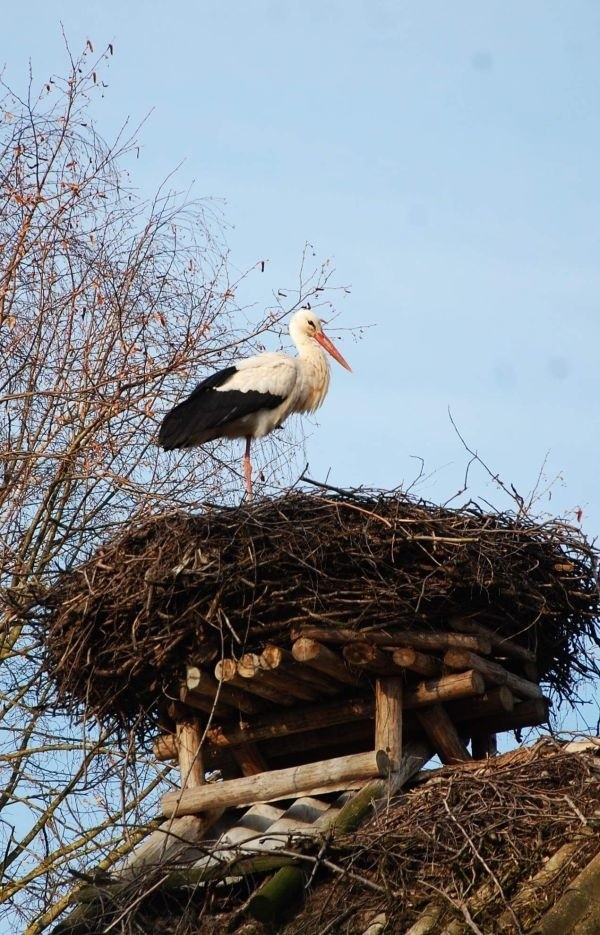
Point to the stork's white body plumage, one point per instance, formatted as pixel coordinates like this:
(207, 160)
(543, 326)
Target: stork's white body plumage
(256, 395)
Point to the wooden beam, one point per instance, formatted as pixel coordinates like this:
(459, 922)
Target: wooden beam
(282, 723)
(324, 660)
(425, 641)
(249, 667)
(446, 688)
(310, 779)
(526, 714)
(498, 700)
(414, 757)
(388, 719)
(281, 661)
(406, 657)
(249, 759)
(353, 733)
(203, 683)
(497, 640)
(370, 658)
(207, 705)
(492, 672)
(443, 734)
(226, 671)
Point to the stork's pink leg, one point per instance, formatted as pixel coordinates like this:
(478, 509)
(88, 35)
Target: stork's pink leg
(248, 468)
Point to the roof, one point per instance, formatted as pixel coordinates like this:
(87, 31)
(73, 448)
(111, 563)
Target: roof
(508, 845)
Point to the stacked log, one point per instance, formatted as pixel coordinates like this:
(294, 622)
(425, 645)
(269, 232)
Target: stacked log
(333, 691)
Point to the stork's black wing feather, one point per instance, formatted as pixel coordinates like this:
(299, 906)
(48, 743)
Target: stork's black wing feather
(206, 410)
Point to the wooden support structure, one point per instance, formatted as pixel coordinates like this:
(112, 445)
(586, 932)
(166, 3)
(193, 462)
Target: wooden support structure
(497, 641)
(446, 688)
(526, 714)
(310, 779)
(188, 738)
(443, 735)
(249, 759)
(484, 745)
(493, 673)
(369, 657)
(210, 706)
(388, 720)
(425, 641)
(323, 659)
(249, 667)
(406, 657)
(226, 671)
(203, 683)
(281, 661)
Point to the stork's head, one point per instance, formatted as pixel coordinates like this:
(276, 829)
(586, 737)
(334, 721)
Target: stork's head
(306, 327)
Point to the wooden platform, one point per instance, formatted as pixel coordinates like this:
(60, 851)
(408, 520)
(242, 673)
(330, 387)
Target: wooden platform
(338, 706)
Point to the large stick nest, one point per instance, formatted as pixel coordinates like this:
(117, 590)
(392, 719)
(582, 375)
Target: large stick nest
(178, 588)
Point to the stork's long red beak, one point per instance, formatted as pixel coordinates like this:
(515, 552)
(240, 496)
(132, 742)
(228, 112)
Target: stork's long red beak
(327, 345)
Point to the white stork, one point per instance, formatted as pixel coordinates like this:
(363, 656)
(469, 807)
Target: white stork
(256, 395)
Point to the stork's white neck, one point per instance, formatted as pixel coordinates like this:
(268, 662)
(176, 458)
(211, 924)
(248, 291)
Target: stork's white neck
(313, 370)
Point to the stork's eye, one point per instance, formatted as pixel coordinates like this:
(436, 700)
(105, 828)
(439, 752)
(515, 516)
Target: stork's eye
(311, 323)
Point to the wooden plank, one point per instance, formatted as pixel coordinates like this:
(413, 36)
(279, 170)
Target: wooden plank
(406, 657)
(324, 660)
(279, 660)
(388, 719)
(420, 640)
(310, 779)
(443, 734)
(201, 703)
(497, 640)
(492, 672)
(203, 683)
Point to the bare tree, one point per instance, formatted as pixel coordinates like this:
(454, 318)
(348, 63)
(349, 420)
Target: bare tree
(110, 306)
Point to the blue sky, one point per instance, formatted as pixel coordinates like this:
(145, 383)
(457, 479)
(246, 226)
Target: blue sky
(444, 156)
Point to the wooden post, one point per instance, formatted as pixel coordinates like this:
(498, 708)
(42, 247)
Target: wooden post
(388, 719)
(188, 736)
(483, 746)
